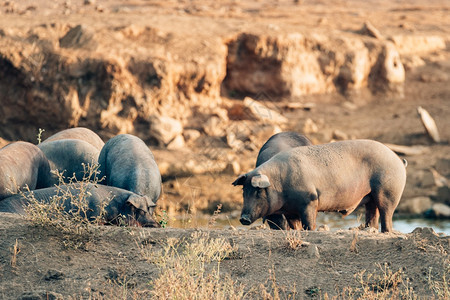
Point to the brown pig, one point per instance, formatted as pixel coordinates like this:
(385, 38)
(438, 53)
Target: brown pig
(337, 176)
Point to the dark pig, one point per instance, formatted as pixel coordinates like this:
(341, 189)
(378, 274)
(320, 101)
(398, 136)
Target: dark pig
(78, 133)
(282, 141)
(134, 208)
(68, 156)
(337, 176)
(22, 164)
(128, 163)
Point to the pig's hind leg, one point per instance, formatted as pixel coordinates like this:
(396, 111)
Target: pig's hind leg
(372, 213)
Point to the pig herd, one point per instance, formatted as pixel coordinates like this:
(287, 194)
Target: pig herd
(292, 181)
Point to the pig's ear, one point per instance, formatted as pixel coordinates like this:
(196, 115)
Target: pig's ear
(240, 180)
(138, 201)
(260, 181)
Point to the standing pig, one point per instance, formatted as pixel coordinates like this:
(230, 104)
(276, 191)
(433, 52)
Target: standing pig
(338, 176)
(22, 164)
(136, 209)
(128, 163)
(78, 133)
(68, 156)
(277, 143)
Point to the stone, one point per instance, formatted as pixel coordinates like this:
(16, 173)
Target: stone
(443, 195)
(191, 135)
(443, 166)
(41, 295)
(79, 37)
(392, 69)
(54, 275)
(323, 228)
(257, 111)
(426, 179)
(313, 251)
(310, 127)
(429, 124)
(164, 129)
(339, 135)
(416, 206)
(438, 211)
(370, 30)
(214, 126)
(232, 168)
(176, 143)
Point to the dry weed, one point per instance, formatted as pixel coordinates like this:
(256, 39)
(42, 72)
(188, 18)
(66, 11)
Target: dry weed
(14, 251)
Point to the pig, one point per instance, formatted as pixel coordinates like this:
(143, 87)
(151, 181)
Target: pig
(136, 210)
(128, 163)
(22, 164)
(78, 133)
(67, 156)
(281, 142)
(337, 176)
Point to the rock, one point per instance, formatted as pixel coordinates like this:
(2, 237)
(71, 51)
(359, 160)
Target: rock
(443, 195)
(426, 179)
(392, 69)
(89, 2)
(164, 129)
(54, 275)
(429, 124)
(214, 126)
(312, 251)
(79, 37)
(176, 143)
(414, 206)
(438, 211)
(41, 295)
(190, 135)
(257, 111)
(339, 135)
(439, 180)
(310, 127)
(323, 228)
(232, 168)
(234, 142)
(416, 44)
(443, 166)
(370, 30)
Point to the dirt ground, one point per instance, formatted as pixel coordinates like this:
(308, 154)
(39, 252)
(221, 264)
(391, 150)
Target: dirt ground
(110, 263)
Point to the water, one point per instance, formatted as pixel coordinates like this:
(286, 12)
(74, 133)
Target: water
(333, 220)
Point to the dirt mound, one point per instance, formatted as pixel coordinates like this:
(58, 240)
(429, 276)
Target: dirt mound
(114, 262)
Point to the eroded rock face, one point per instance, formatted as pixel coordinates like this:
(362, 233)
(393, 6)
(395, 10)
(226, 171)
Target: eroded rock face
(295, 64)
(57, 79)
(58, 76)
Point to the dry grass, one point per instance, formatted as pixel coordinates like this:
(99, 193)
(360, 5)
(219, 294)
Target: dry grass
(190, 269)
(14, 251)
(293, 239)
(53, 213)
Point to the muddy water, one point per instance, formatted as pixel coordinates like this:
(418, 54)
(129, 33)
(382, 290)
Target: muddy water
(333, 221)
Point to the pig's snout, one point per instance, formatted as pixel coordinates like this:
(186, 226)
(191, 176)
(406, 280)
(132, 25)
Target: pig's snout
(245, 220)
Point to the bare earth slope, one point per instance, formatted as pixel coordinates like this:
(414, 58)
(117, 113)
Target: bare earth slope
(112, 262)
